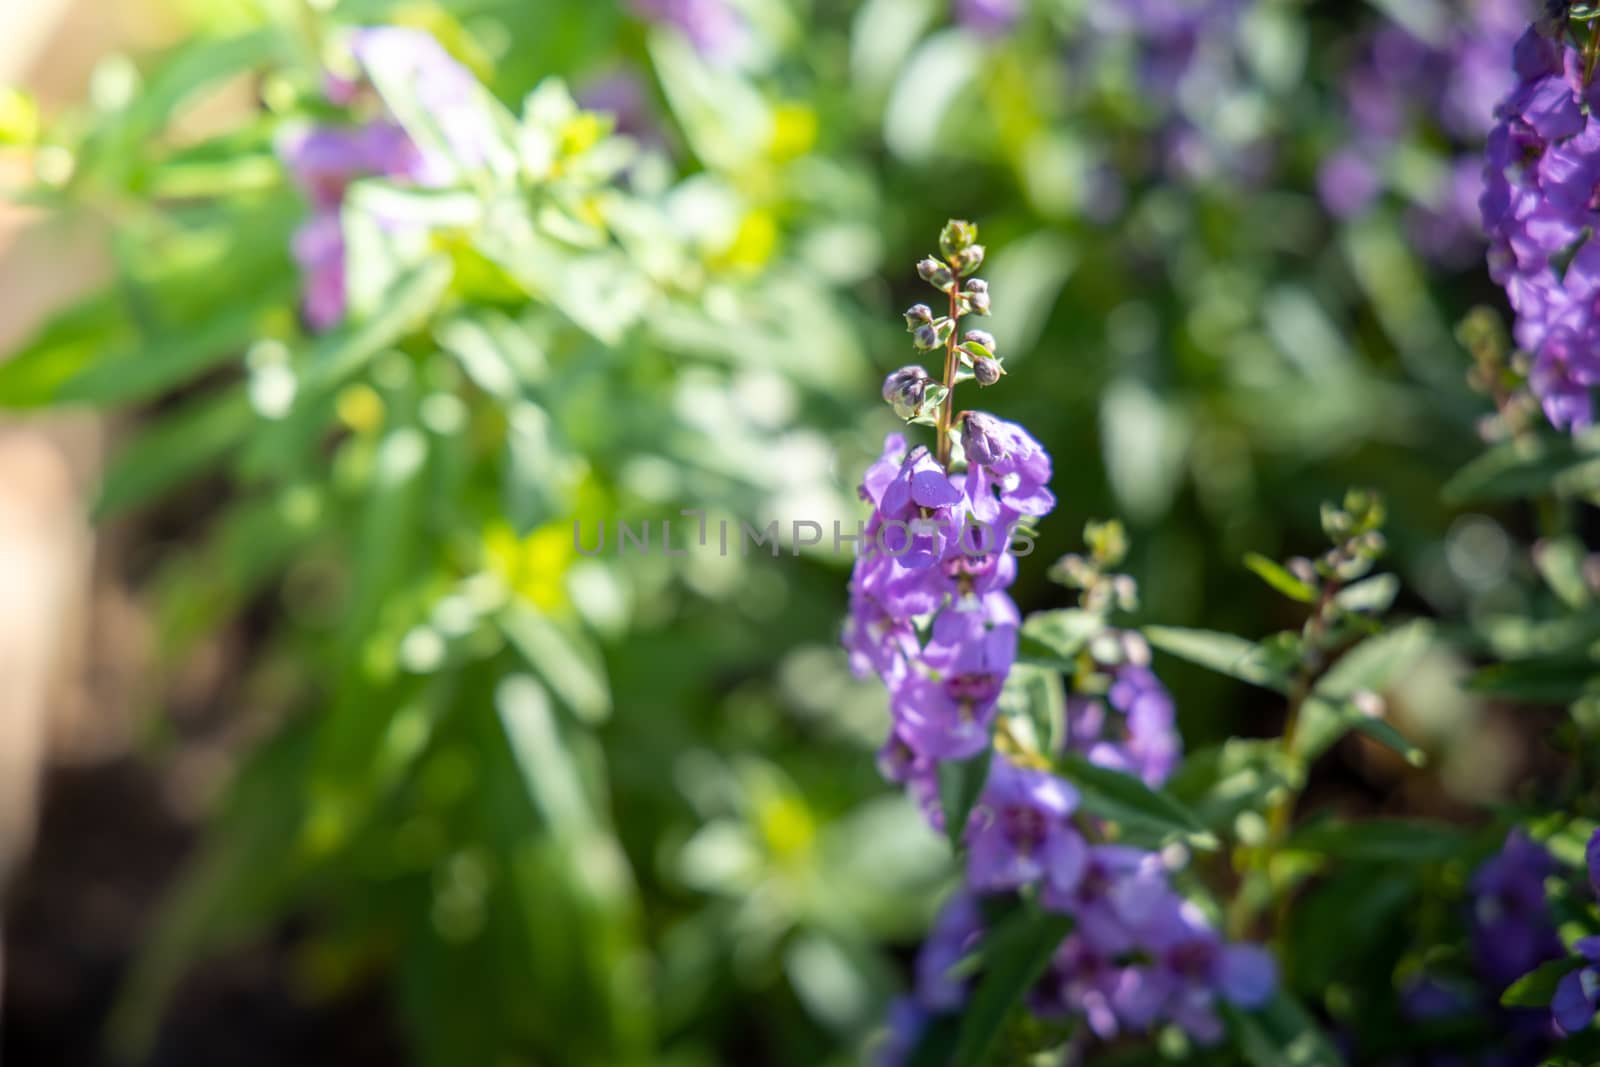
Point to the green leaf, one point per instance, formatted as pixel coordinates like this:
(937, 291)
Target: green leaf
(1329, 714)
(1323, 722)
(1373, 663)
(565, 661)
(1389, 841)
(1538, 987)
(69, 341)
(1136, 807)
(1521, 467)
(175, 449)
(173, 357)
(1223, 653)
(1054, 638)
(1278, 576)
(1014, 954)
(1371, 596)
(1218, 784)
(1536, 681)
(960, 785)
(412, 298)
(1281, 1034)
(1560, 562)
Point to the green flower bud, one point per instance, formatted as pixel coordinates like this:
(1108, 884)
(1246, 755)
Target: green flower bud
(956, 237)
(917, 314)
(967, 260)
(926, 336)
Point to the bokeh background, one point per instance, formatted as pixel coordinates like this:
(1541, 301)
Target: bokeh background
(342, 753)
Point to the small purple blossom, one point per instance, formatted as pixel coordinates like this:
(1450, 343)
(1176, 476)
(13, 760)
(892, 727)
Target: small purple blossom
(988, 18)
(1021, 832)
(714, 27)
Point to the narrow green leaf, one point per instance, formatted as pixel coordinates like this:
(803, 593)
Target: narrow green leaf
(1127, 801)
(172, 358)
(67, 342)
(1373, 663)
(413, 297)
(1560, 562)
(1372, 596)
(174, 449)
(1223, 653)
(1536, 681)
(564, 660)
(1281, 1034)
(960, 785)
(1402, 841)
(1516, 468)
(1277, 576)
(1538, 987)
(1323, 722)
(1014, 956)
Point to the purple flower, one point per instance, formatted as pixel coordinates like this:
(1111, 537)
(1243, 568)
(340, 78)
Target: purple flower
(1541, 172)
(318, 247)
(954, 935)
(1194, 967)
(714, 27)
(1512, 930)
(447, 93)
(1347, 182)
(1008, 471)
(989, 18)
(1142, 740)
(622, 95)
(907, 1020)
(1021, 832)
(1577, 995)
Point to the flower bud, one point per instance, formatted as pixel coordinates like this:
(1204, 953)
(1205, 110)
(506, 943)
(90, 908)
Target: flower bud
(957, 235)
(986, 370)
(917, 314)
(926, 336)
(967, 260)
(935, 273)
(980, 438)
(980, 337)
(978, 295)
(905, 389)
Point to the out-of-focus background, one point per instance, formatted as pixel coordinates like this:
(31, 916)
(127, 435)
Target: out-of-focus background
(322, 744)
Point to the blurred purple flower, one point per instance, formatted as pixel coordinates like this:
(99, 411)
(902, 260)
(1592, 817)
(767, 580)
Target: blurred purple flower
(989, 18)
(1512, 929)
(714, 27)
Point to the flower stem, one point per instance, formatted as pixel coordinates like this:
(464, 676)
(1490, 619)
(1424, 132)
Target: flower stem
(947, 408)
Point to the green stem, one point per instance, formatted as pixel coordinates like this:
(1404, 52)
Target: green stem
(947, 408)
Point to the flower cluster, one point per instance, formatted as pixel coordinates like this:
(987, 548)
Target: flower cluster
(1452, 83)
(1186, 58)
(1539, 210)
(930, 615)
(324, 160)
(1132, 729)
(1577, 996)
(1512, 928)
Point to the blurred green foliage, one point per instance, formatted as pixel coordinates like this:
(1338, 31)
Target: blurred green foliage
(622, 809)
